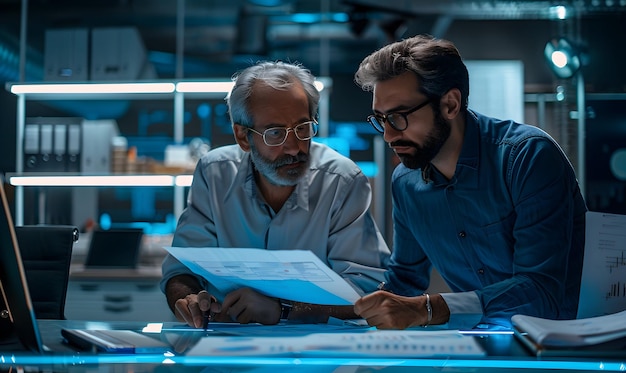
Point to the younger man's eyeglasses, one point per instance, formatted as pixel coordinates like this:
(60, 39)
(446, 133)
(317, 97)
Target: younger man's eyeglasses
(397, 120)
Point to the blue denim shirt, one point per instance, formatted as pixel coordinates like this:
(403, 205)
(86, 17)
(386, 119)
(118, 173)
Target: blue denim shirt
(509, 225)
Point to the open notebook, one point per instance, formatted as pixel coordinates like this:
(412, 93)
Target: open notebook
(16, 296)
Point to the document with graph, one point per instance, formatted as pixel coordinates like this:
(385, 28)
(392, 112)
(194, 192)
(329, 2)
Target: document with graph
(296, 275)
(603, 287)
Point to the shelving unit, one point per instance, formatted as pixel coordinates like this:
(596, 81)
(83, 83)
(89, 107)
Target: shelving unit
(177, 91)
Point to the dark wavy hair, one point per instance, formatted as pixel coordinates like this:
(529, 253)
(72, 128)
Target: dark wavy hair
(436, 63)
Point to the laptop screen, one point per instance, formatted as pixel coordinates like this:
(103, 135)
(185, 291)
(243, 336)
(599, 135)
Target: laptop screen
(13, 284)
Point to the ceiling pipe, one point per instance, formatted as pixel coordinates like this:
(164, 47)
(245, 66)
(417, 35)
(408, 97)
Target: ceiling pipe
(486, 9)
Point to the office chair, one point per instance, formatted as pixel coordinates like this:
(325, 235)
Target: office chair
(46, 254)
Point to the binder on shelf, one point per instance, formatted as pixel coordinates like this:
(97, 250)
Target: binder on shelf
(59, 152)
(31, 146)
(46, 141)
(73, 148)
(52, 144)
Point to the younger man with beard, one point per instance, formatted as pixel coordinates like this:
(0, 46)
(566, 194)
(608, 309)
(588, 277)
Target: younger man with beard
(492, 204)
(275, 189)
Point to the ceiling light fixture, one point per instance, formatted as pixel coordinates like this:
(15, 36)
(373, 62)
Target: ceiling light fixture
(206, 86)
(87, 88)
(94, 180)
(216, 86)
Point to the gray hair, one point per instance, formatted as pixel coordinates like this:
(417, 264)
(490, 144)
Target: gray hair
(278, 75)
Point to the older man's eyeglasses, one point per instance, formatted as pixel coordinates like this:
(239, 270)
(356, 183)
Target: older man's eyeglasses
(397, 120)
(277, 136)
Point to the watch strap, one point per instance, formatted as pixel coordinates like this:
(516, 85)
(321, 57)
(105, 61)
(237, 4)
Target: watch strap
(285, 309)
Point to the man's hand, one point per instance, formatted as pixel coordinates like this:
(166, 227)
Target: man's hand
(386, 310)
(247, 306)
(188, 309)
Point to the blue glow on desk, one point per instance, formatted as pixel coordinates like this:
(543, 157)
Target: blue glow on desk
(504, 354)
(89, 359)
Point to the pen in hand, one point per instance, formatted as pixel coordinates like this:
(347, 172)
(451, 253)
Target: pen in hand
(205, 320)
(204, 302)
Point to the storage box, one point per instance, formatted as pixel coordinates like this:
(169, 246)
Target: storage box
(118, 53)
(96, 145)
(66, 54)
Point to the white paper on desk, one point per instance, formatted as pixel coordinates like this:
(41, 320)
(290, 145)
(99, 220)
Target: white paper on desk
(377, 343)
(297, 275)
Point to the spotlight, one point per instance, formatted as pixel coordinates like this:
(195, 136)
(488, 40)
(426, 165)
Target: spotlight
(562, 57)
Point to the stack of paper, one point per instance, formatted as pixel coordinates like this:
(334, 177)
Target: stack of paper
(602, 333)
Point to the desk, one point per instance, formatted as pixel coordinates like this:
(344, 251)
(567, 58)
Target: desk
(504, 354)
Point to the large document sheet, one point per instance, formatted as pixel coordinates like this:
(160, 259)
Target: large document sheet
(296, 275)
(376, 343)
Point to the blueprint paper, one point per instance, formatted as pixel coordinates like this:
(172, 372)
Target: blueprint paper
(296, 275)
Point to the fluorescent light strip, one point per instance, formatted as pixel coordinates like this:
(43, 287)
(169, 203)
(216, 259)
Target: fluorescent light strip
(204, 87)
(85, 180)
(183, 180)
(108, 88)
(117, 88)
(218, 87)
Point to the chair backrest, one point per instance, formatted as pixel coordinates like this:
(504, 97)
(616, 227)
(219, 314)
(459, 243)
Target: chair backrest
(46, 255)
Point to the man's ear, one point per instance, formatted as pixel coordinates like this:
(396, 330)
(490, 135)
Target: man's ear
(241, 136)
(451, 103)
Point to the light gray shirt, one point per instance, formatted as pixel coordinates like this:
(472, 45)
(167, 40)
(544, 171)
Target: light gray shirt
(328, 213)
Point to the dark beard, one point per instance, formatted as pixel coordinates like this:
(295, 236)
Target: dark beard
(424, 154)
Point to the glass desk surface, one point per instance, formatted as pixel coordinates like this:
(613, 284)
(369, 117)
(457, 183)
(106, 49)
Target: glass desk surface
(503, 353)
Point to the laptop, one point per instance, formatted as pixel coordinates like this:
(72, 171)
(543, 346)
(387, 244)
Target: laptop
(114, 248)
(17, 301)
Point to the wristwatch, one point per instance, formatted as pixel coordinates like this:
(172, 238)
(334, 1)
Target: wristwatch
(285, 309)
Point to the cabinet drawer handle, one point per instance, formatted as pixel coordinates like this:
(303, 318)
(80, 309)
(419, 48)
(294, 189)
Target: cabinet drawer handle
(117, 309)
(146, 287)
(89, 287)
(118, 298)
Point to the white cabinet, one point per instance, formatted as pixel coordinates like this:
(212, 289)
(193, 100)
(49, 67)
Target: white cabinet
(116, 297)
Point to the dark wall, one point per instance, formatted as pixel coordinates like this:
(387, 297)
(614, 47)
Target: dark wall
(603, 39)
